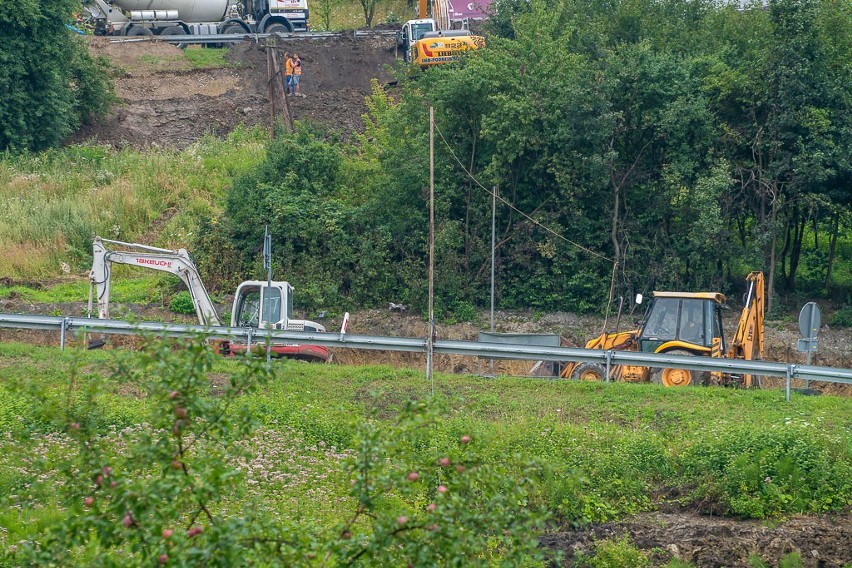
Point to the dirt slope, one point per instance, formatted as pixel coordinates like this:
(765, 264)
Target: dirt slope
(166, 102)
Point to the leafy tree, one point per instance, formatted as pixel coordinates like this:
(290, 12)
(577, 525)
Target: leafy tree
(48, 82)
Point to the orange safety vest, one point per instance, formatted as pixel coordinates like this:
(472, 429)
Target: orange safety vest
(297, 69)
(288, 67)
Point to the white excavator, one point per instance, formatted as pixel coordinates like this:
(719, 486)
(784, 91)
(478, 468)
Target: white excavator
(257, 304)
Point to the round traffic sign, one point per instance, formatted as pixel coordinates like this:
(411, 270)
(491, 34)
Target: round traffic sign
(810, 320)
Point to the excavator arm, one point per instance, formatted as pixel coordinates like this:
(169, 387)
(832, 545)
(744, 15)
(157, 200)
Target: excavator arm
(747, 342)
(176, 262)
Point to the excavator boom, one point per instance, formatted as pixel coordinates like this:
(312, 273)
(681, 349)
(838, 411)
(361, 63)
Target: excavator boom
(174, 262)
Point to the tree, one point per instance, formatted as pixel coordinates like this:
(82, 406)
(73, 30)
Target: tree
(48, 82)
(369, 7)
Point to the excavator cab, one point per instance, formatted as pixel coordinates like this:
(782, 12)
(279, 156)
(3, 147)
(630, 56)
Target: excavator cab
(258, 304)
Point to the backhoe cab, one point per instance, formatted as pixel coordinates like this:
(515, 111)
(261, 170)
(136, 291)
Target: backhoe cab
(684, 323)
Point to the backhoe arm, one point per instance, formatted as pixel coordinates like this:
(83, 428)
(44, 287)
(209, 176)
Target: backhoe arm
(176, 262)
(748, 340)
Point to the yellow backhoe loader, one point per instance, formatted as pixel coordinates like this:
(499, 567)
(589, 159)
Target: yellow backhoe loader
(683, 323)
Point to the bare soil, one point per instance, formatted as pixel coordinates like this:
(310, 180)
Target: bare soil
(166, 102)
(706, 541)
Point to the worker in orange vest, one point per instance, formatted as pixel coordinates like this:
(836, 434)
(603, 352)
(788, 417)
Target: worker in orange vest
(297, 75)
(288, 72)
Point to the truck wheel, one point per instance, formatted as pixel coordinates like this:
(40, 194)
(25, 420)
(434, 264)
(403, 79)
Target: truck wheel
(232, 29)
(589, 372)
(670, 377)
(278, 28)
(138, 31)
(173, 31)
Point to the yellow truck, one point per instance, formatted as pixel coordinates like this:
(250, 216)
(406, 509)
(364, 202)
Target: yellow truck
(425, 45)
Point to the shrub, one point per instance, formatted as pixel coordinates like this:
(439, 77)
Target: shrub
(182, 303)
(842, 317)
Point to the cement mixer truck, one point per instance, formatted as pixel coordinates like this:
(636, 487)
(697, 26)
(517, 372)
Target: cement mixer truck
(195, 17)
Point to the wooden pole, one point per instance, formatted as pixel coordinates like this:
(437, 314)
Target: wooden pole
(270, 89)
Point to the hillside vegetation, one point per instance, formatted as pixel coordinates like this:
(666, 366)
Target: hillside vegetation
(635, 146)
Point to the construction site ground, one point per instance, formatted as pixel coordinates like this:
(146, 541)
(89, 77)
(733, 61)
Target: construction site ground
(166, 102)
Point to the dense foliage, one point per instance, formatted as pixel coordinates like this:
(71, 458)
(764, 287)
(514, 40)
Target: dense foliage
(636, 145)
(48, 82)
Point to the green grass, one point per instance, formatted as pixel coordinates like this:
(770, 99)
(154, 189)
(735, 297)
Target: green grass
(206, 58)
(605, 451)
(350, 15)
(133, 290)
(51, 204)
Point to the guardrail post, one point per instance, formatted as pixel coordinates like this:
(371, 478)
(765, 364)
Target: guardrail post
(790, 369)
(63, 327)
(608, 364)
(248, 346)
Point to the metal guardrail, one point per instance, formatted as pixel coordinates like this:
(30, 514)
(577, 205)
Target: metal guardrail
(609, 358)
(237, 38)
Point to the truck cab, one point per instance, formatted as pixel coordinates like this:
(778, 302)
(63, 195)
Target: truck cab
(412, 31)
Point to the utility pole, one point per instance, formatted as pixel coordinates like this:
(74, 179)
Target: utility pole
(267, 264)
(430, 343)
(493, 248)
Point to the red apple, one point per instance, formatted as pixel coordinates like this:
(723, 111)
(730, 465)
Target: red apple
(164, 558)
(167, 533)
(445, 462)
(465, 439)
(413, 476)
(173, 395)
(442, 489)
(89, 501)
(127, 521)
(402, 520)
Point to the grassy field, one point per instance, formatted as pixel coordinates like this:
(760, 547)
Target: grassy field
(603, 451)
(51, 204)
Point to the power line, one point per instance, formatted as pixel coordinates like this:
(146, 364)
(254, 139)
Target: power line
(512, 207)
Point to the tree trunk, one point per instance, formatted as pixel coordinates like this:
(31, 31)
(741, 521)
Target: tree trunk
(796, 252)
(786, 247)
(770, 283)
(832, 244)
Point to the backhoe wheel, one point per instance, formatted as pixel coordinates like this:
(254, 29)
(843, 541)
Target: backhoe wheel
(589, 372)
(671, 377)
